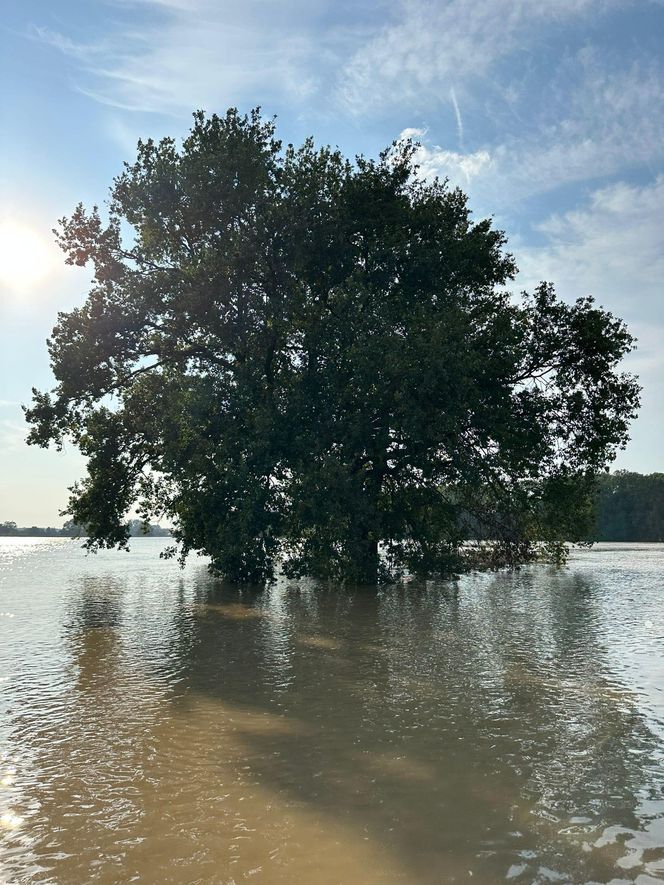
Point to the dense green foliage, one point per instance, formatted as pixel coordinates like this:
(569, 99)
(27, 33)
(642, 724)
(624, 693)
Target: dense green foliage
(301, 359)
(629, 507)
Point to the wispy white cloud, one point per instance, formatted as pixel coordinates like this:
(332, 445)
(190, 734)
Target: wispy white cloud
(605, 124)
(432, 46)
(595, 119)
(367, 56)
(192, 53)
(611, 247)
(610, 123)
(437, 162)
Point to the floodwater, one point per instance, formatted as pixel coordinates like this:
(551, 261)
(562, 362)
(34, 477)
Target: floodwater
(158, 726)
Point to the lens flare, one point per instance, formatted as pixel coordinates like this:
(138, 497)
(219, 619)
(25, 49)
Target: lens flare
(26, 257)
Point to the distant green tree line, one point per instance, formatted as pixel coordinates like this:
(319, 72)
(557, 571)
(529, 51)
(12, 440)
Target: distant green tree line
(72, 530)
(629, 507)
(10, 529)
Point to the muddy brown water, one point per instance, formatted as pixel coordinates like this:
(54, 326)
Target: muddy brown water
(158, 726)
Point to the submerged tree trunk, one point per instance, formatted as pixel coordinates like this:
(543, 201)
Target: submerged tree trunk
(366, 558)
(366, 564)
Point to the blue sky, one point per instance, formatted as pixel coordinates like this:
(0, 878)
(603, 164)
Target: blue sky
(549, 115)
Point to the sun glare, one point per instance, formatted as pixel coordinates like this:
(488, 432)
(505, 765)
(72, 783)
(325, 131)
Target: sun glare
(25, 257)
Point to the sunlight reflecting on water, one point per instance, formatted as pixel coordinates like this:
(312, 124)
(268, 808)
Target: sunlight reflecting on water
(159, 726)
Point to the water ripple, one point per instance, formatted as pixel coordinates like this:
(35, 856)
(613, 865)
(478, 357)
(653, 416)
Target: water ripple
(159, 726)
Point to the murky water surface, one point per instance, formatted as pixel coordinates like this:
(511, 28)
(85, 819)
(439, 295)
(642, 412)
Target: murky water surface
(157, 726)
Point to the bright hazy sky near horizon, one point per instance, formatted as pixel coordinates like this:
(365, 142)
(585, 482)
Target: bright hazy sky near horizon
(550, 115)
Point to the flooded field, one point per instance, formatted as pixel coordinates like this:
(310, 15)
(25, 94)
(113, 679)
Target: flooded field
(158, 726)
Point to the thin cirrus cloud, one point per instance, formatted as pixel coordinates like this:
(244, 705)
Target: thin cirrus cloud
(608, 123)
(168, 56)
(591, 116)
(612, 247)
(604, 126)
(431, 46)
(185, 54)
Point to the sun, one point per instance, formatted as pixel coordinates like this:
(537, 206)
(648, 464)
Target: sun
(25, 256)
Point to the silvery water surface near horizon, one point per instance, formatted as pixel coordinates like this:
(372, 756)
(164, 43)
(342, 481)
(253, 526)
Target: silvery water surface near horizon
(159, 726)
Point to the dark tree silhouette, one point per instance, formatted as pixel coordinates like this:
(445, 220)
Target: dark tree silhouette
(296, 357)
(630, 507)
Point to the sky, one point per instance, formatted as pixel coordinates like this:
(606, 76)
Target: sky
(550, 115)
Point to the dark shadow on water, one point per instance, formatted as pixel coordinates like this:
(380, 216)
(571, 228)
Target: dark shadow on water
(457, 729)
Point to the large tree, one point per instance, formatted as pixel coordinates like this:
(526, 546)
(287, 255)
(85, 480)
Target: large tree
(304, 360)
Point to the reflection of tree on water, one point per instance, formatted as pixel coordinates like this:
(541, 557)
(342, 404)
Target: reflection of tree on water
(92, 631)
(445, 731)
(440, 724)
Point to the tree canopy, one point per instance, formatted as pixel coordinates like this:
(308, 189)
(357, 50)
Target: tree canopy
(314, 364)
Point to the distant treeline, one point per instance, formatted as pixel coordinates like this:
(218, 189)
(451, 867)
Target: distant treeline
(71, 530)
(630, 507)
